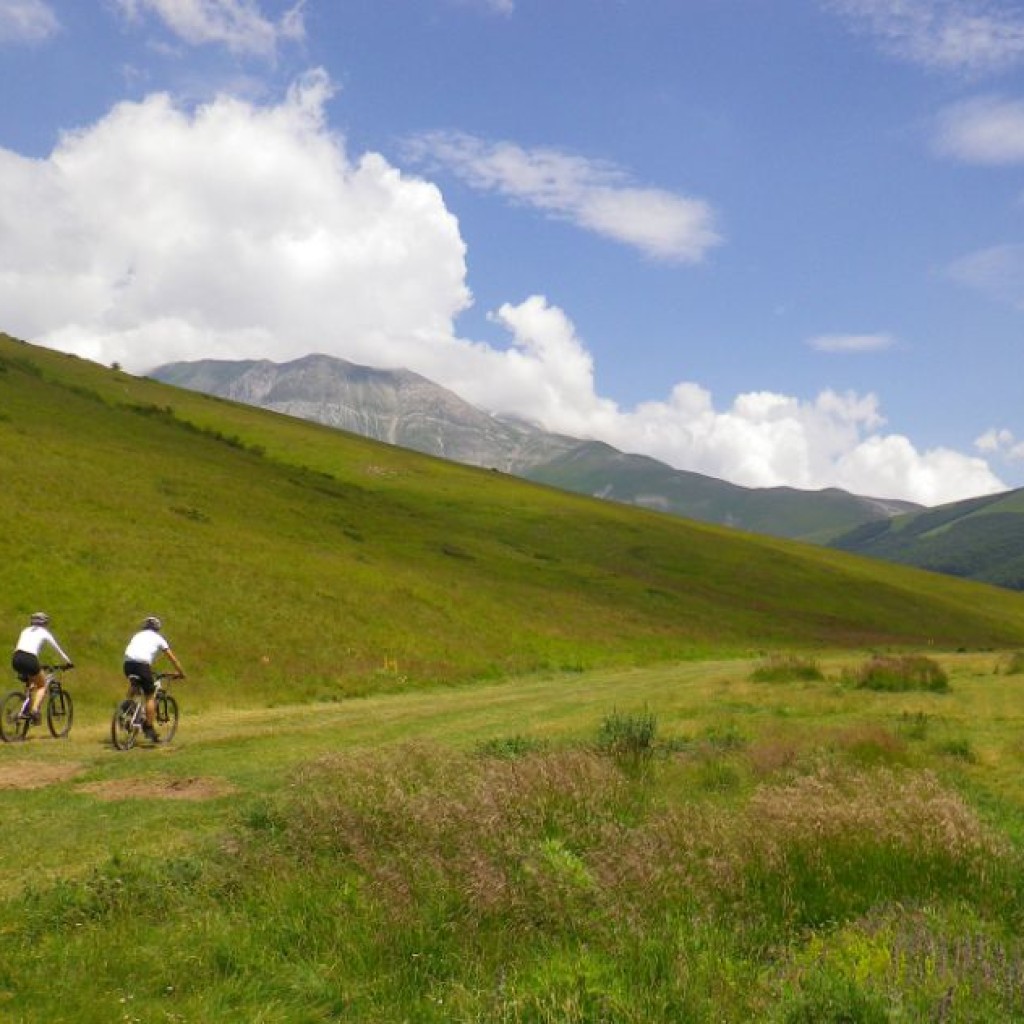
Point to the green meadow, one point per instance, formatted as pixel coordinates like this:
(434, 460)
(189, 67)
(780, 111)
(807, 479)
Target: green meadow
(459, 748)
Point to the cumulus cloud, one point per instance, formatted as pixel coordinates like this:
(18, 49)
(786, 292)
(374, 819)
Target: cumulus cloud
(593, 195)
(26, 21)
(235, 230)
(851, 342)
(997, 271)
(972, 36)
(161, 234)
(761, 439)
(495, 6)
(987, 130)
(239, 25)
(1001, 442)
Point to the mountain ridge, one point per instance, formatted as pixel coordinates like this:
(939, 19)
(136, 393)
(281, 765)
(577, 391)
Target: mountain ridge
(404, 408)
(979, 538)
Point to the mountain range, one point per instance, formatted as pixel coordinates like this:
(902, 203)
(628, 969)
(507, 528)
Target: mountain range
(405, 409)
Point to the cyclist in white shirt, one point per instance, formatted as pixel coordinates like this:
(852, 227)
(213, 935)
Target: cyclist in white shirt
(25, 660)
(143, 649)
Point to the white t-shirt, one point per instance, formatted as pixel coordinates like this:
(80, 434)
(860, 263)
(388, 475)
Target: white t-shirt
(145, 646)
(33, 638)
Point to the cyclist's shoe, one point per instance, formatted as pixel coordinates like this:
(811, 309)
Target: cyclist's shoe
(35, 717)
(150, 733)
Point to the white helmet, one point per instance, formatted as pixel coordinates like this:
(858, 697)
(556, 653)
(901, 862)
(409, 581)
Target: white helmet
(151, 622)
(39, 619)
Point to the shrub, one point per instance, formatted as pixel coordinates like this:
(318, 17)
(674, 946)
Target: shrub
(894, 674)
(785, 668)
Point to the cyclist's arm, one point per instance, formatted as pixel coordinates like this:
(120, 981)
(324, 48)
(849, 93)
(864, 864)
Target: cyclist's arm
(177, 664)
(57, 647)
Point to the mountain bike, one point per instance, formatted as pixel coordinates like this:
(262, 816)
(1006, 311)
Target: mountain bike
(58, 707)
(130, 715)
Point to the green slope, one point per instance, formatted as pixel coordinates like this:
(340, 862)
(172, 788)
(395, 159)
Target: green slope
(979, 539)
(817, 516)
(290, 559)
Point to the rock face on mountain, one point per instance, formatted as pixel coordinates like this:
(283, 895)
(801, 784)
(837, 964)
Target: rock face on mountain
(396, 406)
(405, 409)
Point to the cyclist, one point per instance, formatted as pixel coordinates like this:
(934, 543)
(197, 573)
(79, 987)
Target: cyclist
(143, 649)
(25, 660)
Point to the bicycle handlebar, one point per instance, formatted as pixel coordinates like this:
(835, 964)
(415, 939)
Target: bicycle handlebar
(66, 667)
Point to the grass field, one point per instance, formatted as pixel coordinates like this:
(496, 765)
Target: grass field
(779, 851)
(460, 748)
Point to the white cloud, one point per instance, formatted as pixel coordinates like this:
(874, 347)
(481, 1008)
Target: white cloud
(1001, 443)
(986, 130)
(762, 439)
(851, 342)
(159, 234)
(26, 21)
(240, 231)
(972, 36)
(505, 7)
(239, 25)
(592, 195)
(997, 272)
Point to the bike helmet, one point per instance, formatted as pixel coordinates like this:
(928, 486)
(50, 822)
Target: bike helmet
(39, 619)
(151, 622)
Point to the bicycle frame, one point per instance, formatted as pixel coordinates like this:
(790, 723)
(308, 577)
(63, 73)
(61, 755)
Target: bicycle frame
(130, 714)
(57, 706)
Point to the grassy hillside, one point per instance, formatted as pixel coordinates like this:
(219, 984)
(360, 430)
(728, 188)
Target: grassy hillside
(979, 539)
(288, 559)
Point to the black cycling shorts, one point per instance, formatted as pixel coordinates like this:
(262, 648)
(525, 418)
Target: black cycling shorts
(25, 664)
(144, 673)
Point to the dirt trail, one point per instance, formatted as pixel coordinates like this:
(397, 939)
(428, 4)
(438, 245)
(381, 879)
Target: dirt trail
(36, 774)
(160, 787)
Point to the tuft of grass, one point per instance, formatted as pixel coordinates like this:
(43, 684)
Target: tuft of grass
(959, 749)
(786, 668)
(1012, 664)
(629, 735)
(913, 725)
(899, 673)
(510, 746)
(869, 745)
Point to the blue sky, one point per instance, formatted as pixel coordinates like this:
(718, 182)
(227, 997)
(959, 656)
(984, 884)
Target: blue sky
(779, 242)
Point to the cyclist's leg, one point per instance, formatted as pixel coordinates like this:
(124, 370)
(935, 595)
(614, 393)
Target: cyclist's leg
(27, 666)
(38, 692)
(144, 673)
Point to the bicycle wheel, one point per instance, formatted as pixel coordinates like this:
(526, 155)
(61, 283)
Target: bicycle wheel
(166, 717)
(12, 726)
(122, 726)
(60, 713)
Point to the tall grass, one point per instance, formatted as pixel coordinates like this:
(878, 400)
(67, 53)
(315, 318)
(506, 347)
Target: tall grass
(899, 673)
(784, 668)
(423, 884)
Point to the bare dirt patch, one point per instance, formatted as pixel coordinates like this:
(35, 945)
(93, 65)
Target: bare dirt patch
(160, 787)
(35, 774)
